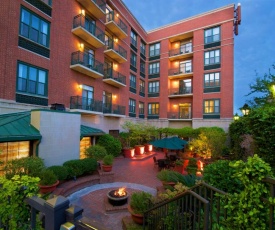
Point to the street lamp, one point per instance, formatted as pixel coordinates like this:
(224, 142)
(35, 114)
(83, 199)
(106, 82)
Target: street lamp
(245, 109)
(236, 117)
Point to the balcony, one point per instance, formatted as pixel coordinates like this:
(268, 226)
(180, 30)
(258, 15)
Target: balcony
(176, 116)
(85, 63)
(115, 51)
(183, 71)
(114, 78)
(116, 25)
(113, 110)
(180, 92)
(85, 105)
(184, 51)
(95, 7)
(88, 31)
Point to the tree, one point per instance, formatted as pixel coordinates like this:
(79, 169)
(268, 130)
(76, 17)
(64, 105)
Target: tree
(264, 87)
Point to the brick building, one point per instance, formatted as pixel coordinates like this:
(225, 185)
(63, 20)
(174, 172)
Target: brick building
(96, 59)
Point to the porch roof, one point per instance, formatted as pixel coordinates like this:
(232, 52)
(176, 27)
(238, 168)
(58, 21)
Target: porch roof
(86, 131)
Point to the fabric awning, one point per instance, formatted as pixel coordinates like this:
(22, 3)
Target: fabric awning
(86, 131)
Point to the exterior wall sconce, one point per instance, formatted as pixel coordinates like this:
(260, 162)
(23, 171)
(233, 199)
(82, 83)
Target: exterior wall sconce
(115, 96)
(117, 14)
(81, 46)
(115, 66)
(83, 12)
(236, 117)
(245, 109)
(80, 86)
(115, 40)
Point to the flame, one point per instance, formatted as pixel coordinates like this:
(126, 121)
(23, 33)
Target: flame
(120, 192)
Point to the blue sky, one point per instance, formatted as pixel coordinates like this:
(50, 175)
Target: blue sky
(254, 46)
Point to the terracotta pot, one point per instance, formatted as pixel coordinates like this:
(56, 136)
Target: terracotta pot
(139, 149)
(107, 168)
(148, 148)
(129, 153)
(48, 188)
(137, 218)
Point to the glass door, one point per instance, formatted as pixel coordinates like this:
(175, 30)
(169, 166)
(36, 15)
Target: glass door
(87, 97)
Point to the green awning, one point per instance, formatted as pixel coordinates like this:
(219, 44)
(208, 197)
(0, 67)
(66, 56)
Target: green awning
(86, 131)
(17, 127)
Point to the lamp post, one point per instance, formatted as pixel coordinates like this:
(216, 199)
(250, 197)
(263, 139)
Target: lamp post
(245, 109)
(236, 117)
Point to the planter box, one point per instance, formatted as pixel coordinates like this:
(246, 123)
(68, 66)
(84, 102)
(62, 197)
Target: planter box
(139, 150)
(129, 153)
(148, 148)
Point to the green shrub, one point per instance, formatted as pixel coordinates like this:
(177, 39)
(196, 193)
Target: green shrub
(60, 171)
(220, 175)
(31, 166)
(108, 160)
(111, 144)
(96, 151)
(89, 164)
(189, 180)
(47, 177)
(169, 176)
(140, 202)
(192, 166)
(75, 168)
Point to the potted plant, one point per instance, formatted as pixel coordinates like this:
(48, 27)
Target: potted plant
(107, 163)
(128, 151)
(179, 166)
(192, 166)
(48, 181)
(139, 203)
(168, 177)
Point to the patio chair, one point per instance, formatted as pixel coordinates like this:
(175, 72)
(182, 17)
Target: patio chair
(155, 161)
(162, 164)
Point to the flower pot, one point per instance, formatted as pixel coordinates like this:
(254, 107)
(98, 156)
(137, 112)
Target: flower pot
(137, 218)
(106, 168)
(48, 188)
(129, 152)
(148, 148)
(139, 149)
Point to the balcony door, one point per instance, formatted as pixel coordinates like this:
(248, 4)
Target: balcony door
(108, 69)
(185, 86)
(87, 97)
(185, 47)
(185, 111)
(89, 59)
(107, 102)
(185, 67)
(90, 25)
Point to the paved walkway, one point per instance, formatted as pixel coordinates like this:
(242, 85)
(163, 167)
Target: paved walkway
(132, 174)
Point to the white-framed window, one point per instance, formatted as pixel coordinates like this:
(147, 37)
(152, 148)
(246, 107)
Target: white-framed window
(153, 108)
(212, 80)
(154, 68)
(142, 47)
(212, 35)
(153, 87)
(212, 57)
(154, 50)
(141, 107)
(211, 106)
(133, 81)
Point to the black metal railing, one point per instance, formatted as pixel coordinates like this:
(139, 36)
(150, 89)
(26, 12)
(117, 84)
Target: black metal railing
(183, 69)
(180, 91)
(112, 16)
(84, 103)
(110, 44)
(179, 115)
(89, 25)
(113, 109)
(86, 59)
(116, 76)
(187, 48)
(101, 4)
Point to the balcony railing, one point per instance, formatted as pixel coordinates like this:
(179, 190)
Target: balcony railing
(86, 59)
(86, 23)
(96, 7)
(180, 91)
(111, 16)
(183, 69)
(179, 115)
(113, 109)
(187, 48)
(84, 103)
(100, 3)
(110, 44)
(116, 76)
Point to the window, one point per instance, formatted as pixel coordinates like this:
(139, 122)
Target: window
(48, 2)
(212, 80)
(141, 107)
(142, 66)
(185, 66)
(154, 50)
(212, 35)
(212, 106)
(141, 86)
(132, 105)
(87, 97)
(132, 81)
(153, 87)
(34, 28)
(142, 48)
(133, 59)
(133, 38)
(32, 80)
(212, 57)
(154, 68)
(153, 108)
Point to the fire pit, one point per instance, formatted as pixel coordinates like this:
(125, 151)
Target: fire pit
(117, 197)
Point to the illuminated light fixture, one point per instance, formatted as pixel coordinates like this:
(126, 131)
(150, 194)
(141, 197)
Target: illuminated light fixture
(245, 109)
(236, 117)
(116, 40)
(175, 105)
(177, 45)
(115, 65)
(81, 46)
(117, 14)
(115, 96)
(83, 12)
(80, 86)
